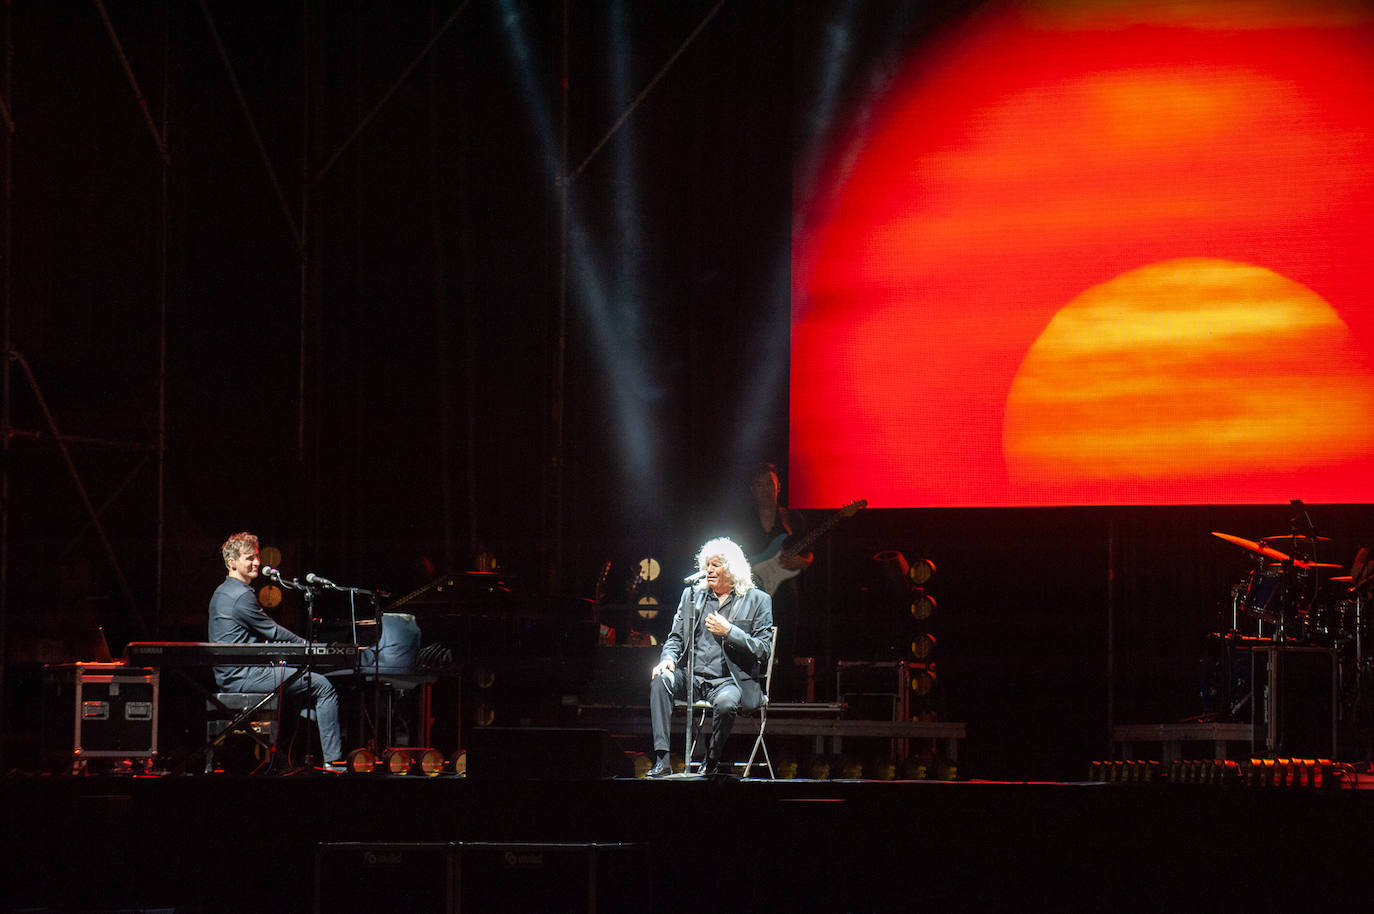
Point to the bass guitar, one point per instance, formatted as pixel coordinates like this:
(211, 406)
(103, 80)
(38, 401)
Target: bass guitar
(767, 565)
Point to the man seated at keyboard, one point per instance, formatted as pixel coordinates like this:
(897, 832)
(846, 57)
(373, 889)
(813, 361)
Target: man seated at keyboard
(237, 617)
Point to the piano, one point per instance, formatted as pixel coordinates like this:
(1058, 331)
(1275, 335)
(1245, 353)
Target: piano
(317, 655)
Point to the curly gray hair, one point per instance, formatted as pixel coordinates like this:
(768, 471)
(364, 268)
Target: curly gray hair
(732, 556)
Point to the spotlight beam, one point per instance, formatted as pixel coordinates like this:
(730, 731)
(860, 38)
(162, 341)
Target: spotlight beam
(628, 374)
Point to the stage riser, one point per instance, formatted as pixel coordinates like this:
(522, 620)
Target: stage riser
(236, 845)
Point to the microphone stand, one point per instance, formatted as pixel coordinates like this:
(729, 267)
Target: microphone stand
(1311, 537)
(293, 584)
(689, 640)
(311, 591)
(376, 596)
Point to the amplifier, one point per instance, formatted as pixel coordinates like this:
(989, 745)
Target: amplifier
(99, 711)
(873, 689)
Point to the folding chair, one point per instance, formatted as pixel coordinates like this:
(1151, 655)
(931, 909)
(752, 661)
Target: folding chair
(701, 708)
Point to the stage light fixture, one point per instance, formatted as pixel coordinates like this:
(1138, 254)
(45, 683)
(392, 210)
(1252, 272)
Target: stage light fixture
(882, 768)
(458, 765)
(922, 606)
(644, 588)
(923, 646)
(894, 567)
(923, 679)
(647, 607)
(921, 572)
(361, 761)
(913, 768)
(851, 768)
(414, 761)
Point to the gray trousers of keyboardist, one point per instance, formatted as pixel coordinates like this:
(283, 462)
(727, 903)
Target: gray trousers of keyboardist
(315, 691)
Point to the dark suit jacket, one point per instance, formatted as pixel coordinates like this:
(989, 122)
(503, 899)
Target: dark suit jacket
(746, 645)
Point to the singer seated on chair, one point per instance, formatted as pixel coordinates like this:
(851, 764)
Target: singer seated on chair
(237, 617)
(730, 621)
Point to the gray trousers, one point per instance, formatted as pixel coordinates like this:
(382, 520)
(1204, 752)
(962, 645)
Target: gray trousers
(314, 691)
(722, 693)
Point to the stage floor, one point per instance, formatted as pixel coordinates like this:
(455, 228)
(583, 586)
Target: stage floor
(241, 844)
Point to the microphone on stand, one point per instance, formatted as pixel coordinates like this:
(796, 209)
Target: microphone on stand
(312, 578)
(694, 578)
(271, 572)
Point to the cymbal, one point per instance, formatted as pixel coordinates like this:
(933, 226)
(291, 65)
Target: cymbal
(1270, 552)
(1343, 579)
(1289, 538)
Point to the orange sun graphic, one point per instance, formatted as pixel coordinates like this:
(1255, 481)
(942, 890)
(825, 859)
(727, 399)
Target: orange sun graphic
(1151, 376)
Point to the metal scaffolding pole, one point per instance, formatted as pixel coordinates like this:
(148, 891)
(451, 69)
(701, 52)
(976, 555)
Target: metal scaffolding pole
(6, 272)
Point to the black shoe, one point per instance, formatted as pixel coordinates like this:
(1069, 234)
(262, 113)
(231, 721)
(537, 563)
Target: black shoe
(662, 768)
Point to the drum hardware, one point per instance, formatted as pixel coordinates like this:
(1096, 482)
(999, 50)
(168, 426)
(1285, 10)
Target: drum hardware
(1283, 591)
(1287, 601)
(1296, 544)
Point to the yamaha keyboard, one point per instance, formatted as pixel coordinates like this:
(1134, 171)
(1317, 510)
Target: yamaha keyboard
(211, 653)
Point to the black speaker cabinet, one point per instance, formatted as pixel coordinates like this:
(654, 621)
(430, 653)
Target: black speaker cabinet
(476, 877)
(544, 753)
(1295, 701)
(359, 878)
(560, 878)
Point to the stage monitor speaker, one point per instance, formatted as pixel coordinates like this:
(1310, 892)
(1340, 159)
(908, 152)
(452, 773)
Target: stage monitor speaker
(557, 878)
(365, 878)
(544, 753)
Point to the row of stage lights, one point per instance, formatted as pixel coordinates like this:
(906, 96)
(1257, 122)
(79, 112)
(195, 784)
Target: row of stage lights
(421, 762)
(1255, 772)
(405, 762)
(917, 767)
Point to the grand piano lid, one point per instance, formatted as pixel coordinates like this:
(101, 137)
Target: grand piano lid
(455, 590)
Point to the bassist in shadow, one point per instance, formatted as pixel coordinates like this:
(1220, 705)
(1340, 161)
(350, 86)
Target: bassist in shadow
(767, 526)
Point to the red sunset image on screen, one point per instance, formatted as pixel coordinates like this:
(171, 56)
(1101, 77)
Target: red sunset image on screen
(1081, 254)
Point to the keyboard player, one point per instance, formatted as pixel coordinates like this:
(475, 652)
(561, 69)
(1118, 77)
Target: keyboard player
(237, 617)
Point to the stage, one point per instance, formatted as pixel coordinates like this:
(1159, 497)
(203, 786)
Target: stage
(236, 844)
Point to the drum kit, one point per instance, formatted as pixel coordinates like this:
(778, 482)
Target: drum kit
(1290, 597)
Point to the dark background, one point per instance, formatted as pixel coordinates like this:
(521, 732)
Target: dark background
(388, 350)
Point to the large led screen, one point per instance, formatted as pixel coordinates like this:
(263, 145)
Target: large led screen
(1097, 254)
